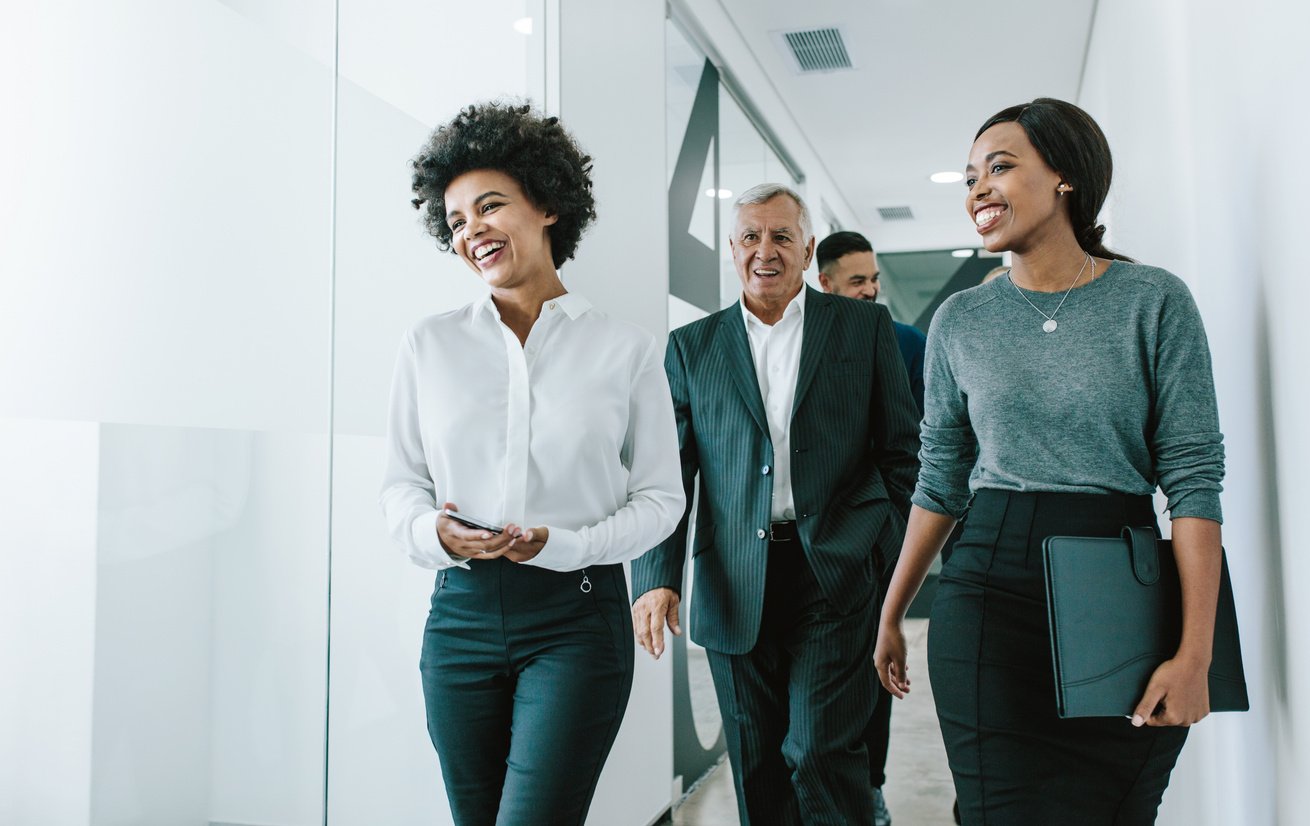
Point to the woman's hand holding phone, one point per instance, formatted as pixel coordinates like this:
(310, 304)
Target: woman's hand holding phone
(461, 537)
(526, 543)
(468, 537)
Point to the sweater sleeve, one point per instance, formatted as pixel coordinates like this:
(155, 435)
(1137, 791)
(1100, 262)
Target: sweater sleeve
(1186, 446)
(949, 448)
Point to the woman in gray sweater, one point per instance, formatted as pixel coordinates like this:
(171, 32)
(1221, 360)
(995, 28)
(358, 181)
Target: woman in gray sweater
(1059, 397)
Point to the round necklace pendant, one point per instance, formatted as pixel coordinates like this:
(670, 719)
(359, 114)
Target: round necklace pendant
(1049, 326)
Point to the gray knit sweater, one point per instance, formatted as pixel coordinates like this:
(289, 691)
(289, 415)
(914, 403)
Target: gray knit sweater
(1119, 398)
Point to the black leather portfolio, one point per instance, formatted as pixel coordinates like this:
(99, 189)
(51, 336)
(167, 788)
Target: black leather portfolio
(1115, 610)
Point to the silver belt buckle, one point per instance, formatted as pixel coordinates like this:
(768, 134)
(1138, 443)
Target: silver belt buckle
(774, 537)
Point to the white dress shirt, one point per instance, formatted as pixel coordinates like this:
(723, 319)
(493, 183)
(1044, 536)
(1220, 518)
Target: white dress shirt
(776, 350)
(572, 430)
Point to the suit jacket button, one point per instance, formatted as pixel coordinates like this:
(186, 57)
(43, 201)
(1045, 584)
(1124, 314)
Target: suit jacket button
(761, 533)
(765, 470)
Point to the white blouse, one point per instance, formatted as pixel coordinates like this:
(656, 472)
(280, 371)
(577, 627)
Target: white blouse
(573, 430)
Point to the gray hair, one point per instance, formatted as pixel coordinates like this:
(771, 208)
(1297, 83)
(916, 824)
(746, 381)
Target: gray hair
(760, 193)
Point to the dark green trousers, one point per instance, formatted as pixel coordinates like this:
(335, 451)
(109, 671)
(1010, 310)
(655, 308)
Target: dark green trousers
(526, 675)
(795, 706)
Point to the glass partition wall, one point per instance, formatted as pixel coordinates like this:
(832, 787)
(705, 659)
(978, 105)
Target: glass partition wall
(209, 259)
(167, 218)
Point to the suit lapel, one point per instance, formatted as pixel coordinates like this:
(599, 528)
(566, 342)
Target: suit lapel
(814, 341)
(741, 367)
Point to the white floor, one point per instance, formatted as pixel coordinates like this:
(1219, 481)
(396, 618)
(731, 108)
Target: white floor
(919, 790)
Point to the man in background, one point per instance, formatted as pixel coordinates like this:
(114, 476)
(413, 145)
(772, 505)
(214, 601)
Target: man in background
(848, 266)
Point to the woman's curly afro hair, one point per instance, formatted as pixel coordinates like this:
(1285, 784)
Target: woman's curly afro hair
(532, 149)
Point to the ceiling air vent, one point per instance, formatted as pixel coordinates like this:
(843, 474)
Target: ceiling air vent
(900, 213)
(816, 50)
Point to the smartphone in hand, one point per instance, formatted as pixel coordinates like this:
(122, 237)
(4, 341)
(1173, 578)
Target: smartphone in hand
(472, 521)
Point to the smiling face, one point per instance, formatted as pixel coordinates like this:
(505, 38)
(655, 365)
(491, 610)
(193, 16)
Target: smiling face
(1014, 197)
(771, 253)
(497, 230)
(854, 275)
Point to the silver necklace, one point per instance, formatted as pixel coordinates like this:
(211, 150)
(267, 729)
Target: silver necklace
(1050, 325)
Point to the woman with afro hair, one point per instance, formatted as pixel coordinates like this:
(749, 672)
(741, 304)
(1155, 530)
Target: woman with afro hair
(531, 450)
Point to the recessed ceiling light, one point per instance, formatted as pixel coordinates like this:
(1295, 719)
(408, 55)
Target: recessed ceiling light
(946, 177)
(523, 25)
(721, 193)
(962, 253)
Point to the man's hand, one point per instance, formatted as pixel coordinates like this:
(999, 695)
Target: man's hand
(649, 614)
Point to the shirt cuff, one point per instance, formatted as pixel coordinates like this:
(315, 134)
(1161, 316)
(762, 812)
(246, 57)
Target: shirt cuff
(563, 551)
(423, 530)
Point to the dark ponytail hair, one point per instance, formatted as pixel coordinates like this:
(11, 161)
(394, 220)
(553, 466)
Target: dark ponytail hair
(1075, 147)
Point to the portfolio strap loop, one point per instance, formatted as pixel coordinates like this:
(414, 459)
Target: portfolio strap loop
(1146, 557)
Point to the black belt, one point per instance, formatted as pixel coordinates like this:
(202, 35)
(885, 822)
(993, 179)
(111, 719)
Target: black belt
(783, 532)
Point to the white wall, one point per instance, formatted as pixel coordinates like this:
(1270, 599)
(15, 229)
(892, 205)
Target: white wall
(1203, 109)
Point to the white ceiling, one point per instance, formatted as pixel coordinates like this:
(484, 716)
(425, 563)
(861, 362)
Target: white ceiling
(927, 74)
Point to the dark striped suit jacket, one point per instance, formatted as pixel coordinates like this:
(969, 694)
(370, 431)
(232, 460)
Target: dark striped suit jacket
(854, 441)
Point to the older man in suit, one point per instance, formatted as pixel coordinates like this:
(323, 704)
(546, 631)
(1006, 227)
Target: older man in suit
(794, 409)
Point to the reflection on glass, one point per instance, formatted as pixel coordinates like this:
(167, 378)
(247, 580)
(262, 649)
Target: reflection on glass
(684, 63)
(704, 703)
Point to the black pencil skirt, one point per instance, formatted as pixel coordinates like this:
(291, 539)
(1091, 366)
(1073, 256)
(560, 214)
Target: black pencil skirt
(1015, 762)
